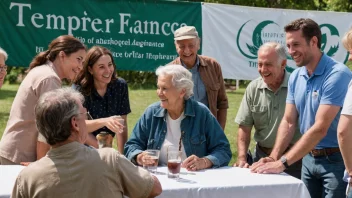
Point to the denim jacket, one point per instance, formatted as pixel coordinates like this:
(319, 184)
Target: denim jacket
(201, 133)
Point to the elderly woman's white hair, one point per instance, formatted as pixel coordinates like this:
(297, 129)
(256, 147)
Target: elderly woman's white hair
(2, 52)
(181, 78)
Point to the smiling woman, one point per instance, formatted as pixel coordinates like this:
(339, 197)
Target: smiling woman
(62, 60)
(106, 96)
(181, 122)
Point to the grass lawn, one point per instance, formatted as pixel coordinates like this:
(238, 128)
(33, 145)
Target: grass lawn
(139, 100)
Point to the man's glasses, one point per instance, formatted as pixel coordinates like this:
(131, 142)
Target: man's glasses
(88, 116)
(3, 68)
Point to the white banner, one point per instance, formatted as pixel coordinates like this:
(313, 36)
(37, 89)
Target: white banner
(233, 34)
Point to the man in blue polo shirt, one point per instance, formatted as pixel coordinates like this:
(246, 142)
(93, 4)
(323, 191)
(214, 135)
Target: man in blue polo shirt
(316, 92)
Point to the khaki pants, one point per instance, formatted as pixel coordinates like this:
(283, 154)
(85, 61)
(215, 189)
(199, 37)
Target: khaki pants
(4, 161)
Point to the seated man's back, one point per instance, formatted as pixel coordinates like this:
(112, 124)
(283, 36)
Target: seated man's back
(74, 170)
(71, 169)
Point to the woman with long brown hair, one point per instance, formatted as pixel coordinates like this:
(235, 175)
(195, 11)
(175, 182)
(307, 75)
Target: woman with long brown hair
(62, 60)
(106, 95)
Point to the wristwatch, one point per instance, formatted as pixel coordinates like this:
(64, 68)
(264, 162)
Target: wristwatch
(283, 160)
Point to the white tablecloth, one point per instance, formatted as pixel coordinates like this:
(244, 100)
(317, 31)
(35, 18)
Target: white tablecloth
(211, 183)
(8, 175)
(230, 182)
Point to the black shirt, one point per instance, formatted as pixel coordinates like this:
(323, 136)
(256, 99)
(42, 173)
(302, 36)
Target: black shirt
(114, 102)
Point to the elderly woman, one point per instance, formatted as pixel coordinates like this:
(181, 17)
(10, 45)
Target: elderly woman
(177, 120)
(3, 67)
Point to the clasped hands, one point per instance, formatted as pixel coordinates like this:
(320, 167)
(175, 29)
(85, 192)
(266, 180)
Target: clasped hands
(266, 165)
(192, 163)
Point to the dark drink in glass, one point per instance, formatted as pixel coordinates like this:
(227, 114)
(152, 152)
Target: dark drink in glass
(174, 164)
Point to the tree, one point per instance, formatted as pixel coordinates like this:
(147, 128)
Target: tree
(321, 5)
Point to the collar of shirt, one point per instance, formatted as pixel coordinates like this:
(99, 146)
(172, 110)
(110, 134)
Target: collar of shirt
(64, 149)
(319, 70)
(188, 111)
(108, 92)
(284, 83)
(195, 66)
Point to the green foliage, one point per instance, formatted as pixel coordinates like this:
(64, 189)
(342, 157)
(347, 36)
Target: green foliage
(322, 5)
(15, 74)
(138, 79)
(349, 65)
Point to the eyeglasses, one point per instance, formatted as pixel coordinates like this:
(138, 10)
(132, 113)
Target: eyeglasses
(88, 116)
(3, 68)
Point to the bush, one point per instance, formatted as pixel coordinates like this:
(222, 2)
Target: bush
(15, 74)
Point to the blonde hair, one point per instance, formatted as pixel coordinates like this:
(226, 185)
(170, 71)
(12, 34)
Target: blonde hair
(347, 40)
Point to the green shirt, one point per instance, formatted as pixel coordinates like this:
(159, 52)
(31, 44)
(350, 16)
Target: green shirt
(264, 109)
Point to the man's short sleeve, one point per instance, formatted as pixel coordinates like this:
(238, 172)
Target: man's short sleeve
(335, 89)
(244, 114)
(135, 181)
(290, 89)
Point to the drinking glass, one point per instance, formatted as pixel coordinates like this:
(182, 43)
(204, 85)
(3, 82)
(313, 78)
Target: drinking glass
(121, 121)
(174, 163)
(104, 139)
(151, 160)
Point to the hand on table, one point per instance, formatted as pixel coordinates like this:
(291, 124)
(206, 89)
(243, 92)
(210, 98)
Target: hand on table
(260, 163)
(269, 167)
(241, 164)
(194, 163)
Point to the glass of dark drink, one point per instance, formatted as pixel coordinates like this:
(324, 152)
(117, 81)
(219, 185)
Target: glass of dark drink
(174, 163)
(151, 160)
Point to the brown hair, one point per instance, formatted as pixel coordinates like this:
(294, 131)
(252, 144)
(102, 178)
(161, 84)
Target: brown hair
(85, 79)
(309, 29)
(65, 43)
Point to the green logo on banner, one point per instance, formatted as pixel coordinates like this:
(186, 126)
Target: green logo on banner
(333, 32)
(268, 30)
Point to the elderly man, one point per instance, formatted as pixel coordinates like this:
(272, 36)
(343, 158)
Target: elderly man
(344, 130)
(209, 87)
(3, 67)
(263, 106)
(71, 169)
(316, 92)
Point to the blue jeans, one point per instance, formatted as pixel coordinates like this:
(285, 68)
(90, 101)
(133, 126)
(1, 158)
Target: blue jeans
(323, 176)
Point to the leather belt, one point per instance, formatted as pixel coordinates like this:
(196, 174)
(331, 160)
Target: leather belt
(265, 150)
(324, 151)
(268, 150)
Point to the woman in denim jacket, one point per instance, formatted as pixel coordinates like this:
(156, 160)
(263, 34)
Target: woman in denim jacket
(179, 121)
